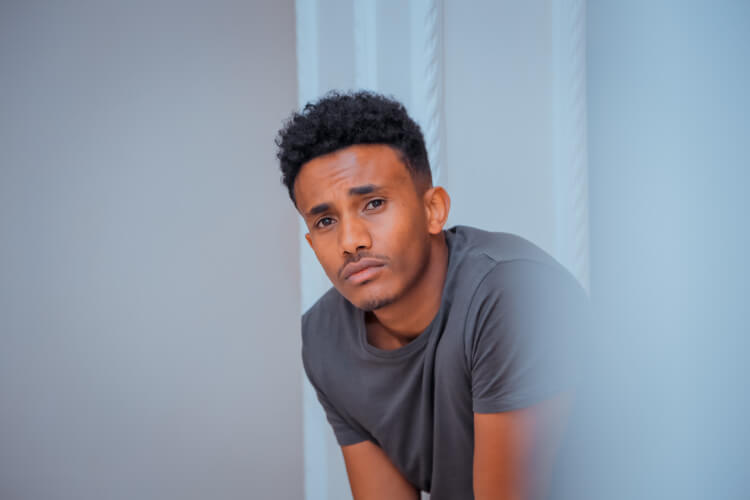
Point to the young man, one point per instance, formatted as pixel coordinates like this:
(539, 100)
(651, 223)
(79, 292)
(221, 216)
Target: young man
(441, 357)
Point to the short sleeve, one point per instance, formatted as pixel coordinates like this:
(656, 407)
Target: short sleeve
(524, 324)
(345, 433)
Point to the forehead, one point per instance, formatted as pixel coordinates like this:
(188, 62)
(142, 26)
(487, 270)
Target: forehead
(332, 175)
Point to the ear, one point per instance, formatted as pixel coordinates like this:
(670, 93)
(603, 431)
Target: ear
(309, 240)
(437, 205)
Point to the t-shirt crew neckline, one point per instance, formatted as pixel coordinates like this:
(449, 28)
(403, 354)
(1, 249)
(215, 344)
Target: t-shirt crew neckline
(422, 338)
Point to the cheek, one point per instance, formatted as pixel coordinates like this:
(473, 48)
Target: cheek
(404, 222)
(403, 243)
(327, 258)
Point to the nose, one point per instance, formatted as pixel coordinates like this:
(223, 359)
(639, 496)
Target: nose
(353, 235)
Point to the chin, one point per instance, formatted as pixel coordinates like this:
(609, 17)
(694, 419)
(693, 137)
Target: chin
(371, 295)
(376, 303)
(375, 300)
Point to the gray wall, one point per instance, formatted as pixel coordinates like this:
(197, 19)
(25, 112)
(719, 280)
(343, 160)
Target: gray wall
(149, 306)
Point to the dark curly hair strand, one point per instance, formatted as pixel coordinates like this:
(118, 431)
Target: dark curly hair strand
(339, 120)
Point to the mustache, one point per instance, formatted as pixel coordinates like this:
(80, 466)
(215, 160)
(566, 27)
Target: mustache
(363, 255)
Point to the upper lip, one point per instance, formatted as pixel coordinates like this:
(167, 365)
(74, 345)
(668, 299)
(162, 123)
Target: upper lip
(355, 267)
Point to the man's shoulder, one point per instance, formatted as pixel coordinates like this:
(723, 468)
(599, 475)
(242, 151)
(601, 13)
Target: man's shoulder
(497, 246)
(494, 264)
(525, 304)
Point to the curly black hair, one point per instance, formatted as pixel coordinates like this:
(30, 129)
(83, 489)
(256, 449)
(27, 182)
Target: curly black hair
(339, 120)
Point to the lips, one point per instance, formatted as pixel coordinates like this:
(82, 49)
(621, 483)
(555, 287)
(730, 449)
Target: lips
(362, 264)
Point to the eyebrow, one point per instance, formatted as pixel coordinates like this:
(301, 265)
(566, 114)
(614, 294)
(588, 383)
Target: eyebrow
(355, 191)
(366, 189)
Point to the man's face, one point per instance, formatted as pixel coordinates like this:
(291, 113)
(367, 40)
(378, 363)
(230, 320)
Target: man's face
(367, 222)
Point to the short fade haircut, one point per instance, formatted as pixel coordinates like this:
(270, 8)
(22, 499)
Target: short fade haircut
(339, 120)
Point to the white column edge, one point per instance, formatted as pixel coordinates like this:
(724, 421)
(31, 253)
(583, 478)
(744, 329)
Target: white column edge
(426, 25)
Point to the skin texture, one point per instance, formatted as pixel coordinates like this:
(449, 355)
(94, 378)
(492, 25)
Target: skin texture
(362, 202)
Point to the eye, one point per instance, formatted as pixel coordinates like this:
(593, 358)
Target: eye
(324, 222)
(376, 203)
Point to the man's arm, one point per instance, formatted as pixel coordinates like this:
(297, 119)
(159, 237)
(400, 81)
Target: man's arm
(514, 450)
(372, 476)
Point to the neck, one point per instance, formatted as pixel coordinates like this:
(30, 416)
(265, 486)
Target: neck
(409, 316)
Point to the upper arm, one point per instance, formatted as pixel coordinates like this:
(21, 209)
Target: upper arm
(372, 476)
(514, 450)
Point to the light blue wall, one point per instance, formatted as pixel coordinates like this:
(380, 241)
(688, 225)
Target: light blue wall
(669, 128)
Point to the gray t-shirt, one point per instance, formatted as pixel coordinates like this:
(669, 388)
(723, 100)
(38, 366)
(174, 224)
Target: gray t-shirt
(500, 341)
